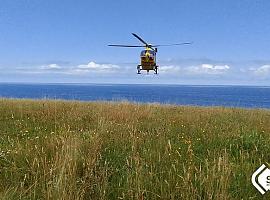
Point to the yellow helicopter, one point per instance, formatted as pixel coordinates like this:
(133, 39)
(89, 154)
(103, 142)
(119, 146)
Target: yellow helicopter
(148, 56)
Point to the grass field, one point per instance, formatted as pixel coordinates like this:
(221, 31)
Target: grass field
(100, 150)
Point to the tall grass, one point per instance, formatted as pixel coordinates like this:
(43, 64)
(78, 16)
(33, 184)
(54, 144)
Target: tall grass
(100, 150)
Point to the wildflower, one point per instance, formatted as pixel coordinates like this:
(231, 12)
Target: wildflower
(188, 141)
(2, 154)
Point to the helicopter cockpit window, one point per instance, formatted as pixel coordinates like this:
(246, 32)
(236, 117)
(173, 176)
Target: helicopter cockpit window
(143, 53)
(152, 53)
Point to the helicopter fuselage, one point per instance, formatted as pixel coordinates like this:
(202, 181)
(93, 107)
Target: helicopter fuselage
(148, 60)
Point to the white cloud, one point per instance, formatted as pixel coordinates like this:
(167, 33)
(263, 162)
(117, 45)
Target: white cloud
(208, 69)
(178, 71)
(93, 67)
(261, 71)
(81, 69)
(51, 67)
(98, 67)
(169, 68)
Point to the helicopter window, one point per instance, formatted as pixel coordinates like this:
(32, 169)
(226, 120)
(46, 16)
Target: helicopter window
(143, 53)
(152, 53)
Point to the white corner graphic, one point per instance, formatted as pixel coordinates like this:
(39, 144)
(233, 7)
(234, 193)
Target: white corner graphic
(263, 179)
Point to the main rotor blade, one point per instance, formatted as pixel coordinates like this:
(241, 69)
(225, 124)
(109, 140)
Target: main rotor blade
(120, 45)
(135, 35)
(162, 45)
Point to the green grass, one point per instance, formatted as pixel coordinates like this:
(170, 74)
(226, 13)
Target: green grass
(101, 150)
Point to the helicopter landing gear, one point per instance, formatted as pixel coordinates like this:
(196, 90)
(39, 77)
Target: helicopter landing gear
(139, 69)
(156, 69)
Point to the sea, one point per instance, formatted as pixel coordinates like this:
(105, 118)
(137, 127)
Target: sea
(195, 95)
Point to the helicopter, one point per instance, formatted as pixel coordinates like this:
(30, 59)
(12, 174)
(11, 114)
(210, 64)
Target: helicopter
(148, 56)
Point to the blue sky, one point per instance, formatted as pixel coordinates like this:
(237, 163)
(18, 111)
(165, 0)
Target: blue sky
(65, 41)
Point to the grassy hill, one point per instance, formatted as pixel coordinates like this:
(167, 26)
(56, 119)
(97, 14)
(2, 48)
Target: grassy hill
(100, 150)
